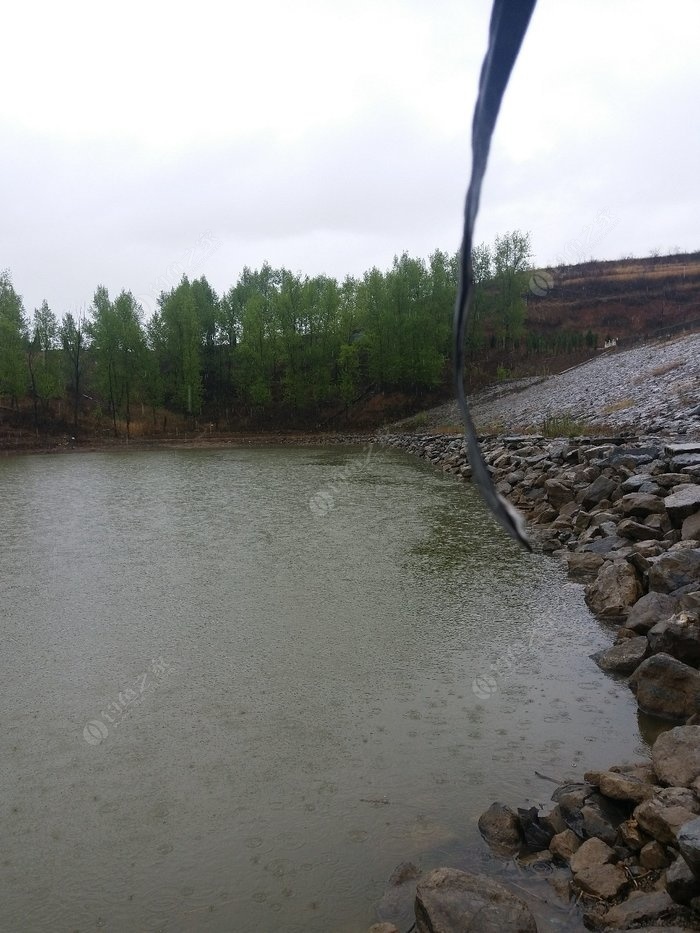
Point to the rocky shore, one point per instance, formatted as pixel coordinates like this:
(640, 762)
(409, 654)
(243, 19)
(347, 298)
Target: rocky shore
(624, 514)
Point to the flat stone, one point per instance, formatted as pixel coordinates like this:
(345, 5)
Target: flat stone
(636, 531)
(453, 901)
(625, 787)
(624, 657)
(676, 756)
(604, 881)
(666, 687)
(638, 908)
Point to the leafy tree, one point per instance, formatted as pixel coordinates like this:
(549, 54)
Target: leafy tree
(74, 340)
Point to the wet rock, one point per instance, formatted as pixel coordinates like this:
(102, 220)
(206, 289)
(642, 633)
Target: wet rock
(681, 883)
(448, 901)
(615, 589)
(584, 566)
(674, 569)
(624, 657)
(601, 818)
(666, 687)
(383, 928)
(500, 827)
(661, 820)
(676, 756)
(683, 502)
(678, 636)
(650, 609)
(564, 844)
(625, 787)
(536, 833)
(638, 908)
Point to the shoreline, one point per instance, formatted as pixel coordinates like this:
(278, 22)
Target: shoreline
(623, 513)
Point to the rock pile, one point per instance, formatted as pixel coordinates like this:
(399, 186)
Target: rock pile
(625, 516)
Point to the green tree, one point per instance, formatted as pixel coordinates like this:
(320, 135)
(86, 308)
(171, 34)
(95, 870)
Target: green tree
(74, 340)
(13, 342)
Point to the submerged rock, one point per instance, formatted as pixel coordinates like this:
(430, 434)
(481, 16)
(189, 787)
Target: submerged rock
(452, 901)
(500, 827)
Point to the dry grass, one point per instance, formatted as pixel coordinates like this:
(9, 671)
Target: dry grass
(666, 368)
(620, 405)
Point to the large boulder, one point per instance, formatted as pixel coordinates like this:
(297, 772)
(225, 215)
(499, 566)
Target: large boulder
(681, 883)
(674, 569)
(690, 530)
(500, 827)
(625, 787)
(666, 687)
(682, 503)
(650, 609)
(584, 566)
(453, 901)
(640, 907)
(614, 590)
(676, 756)
(678, 636)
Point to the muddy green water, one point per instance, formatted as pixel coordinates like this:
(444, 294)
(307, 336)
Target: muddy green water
(239, 686)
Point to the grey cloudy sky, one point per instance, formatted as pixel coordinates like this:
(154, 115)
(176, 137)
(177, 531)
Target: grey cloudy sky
(141, 140)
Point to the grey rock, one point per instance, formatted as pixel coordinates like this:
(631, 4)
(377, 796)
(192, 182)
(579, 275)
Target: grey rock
(636, 531)
(674, 569)
(599, 489)
(678, 636)
(676, 756)
(688, 837)
(666, 687)
(624, 657)
(681, 883)
(683, 502)
(650, 609)
(690, 529)
(452, 901)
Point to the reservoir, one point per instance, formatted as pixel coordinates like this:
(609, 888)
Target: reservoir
(240, 685)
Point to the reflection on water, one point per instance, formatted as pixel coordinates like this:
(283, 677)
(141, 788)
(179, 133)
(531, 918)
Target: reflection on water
(240, 686)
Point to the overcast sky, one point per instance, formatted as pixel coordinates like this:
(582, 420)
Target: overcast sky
(141, 140)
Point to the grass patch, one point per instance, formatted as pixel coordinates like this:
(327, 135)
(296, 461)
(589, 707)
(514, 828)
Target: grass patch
(621, 405)
(666, 368)
(564, 426)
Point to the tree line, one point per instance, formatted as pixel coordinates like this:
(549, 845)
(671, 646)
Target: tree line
(277, 345)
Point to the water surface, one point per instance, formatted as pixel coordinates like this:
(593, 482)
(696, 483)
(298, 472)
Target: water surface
(239, 686)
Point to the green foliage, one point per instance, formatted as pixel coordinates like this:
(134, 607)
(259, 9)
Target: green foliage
(14, 378)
